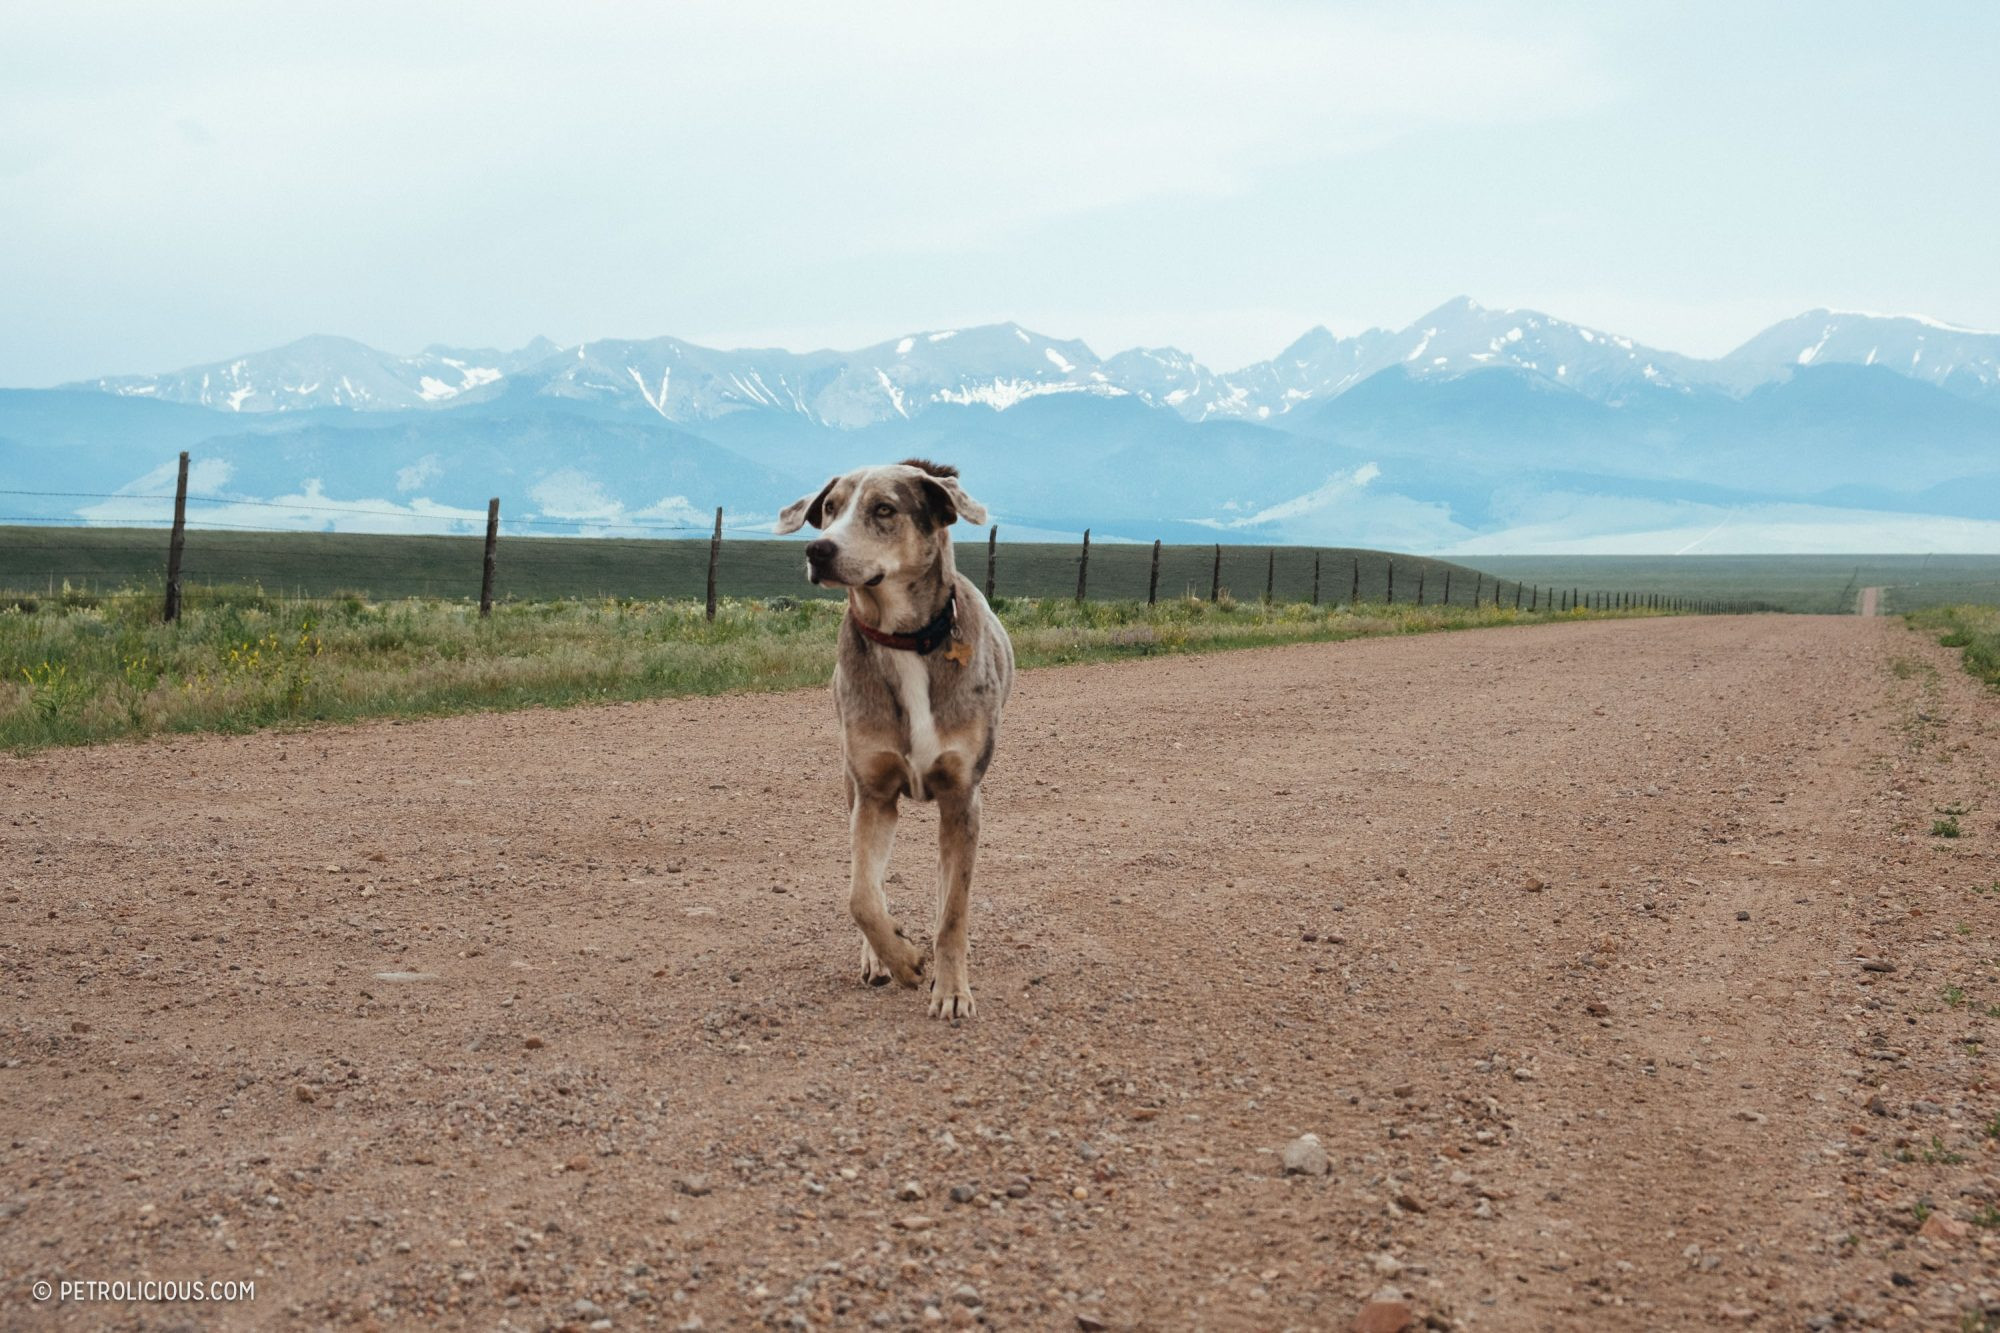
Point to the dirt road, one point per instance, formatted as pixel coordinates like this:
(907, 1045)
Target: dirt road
(1871, 601)
(1554, 937)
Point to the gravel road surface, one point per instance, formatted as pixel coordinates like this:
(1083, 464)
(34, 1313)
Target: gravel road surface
(1614, 966)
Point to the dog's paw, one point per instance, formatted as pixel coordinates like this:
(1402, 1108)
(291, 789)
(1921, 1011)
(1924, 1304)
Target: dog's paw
(912, 960)
(951, 999)
(910, 969)
(874, 971)
(903, 962)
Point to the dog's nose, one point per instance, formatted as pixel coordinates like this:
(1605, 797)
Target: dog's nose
(821, 550)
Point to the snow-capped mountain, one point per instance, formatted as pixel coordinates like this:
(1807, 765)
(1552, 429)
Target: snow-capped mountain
(1458, 338)
(327, 371)
(1966, 361)
(1002, 365)
(997, 365)
(1170, 378)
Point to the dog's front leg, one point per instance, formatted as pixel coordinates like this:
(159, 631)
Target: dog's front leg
(873, 828)
(958, 848)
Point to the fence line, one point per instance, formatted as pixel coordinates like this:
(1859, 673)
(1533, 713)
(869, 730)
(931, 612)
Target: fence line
(248, 538)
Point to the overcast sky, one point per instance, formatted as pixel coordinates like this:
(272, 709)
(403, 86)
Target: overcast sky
(179, 183)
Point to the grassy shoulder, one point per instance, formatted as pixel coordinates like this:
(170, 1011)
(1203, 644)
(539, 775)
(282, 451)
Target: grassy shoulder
(79, 668)
(1973, 629)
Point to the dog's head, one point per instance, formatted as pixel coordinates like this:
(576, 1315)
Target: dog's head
(880, 523)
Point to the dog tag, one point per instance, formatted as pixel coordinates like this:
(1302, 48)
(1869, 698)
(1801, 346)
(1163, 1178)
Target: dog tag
(959, 652)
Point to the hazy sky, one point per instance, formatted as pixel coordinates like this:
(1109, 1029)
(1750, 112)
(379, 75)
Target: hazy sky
(182, 182)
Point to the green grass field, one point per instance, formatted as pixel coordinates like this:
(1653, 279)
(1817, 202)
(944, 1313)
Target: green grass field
(41, 559)
(84, 667)
(1825, 584)
(1974, 630)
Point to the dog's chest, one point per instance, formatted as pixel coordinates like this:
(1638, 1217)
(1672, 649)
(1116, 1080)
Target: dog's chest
(909, 678)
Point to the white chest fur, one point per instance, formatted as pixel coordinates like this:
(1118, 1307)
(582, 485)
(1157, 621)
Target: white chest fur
(910, 678)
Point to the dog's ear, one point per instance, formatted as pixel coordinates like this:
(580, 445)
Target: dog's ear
(806, 509)
(949, 502)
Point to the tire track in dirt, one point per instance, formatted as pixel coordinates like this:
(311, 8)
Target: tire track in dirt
(1550, 935)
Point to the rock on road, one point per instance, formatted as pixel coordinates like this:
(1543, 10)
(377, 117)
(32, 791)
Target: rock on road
(1610, 964)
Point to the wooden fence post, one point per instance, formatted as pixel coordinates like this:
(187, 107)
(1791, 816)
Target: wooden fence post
(1215, 579)
(1083, 567)
(175, 543)
(1447, 585)
(1315, 578)
(1517, 596)
(1153, 582)
(1421, 571)
(486, 574)
(1534, 598)
(1354, 595)
(714, 554)
(1270, 574)
(992, 540)
(1389, 595)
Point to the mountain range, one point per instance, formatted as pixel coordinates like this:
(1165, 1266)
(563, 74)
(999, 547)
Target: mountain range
(1000, 365)
(1472, 429)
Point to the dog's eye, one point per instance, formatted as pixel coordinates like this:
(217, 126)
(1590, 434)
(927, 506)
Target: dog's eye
(885, 511)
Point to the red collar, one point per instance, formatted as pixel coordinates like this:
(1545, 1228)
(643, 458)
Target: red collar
(925, 641)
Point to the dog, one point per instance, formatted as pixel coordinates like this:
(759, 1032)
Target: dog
(923, 672)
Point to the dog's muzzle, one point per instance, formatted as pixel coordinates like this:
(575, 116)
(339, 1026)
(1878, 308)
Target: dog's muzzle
(820, 556)
(822, 566)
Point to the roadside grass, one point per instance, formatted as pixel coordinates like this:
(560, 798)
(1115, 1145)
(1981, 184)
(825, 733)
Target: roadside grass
(1974, 630)
(81, 668)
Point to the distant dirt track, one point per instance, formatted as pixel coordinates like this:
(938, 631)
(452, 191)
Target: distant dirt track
(1470, 907)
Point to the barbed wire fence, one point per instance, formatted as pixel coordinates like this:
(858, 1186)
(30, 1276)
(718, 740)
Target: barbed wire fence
(571, 552)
